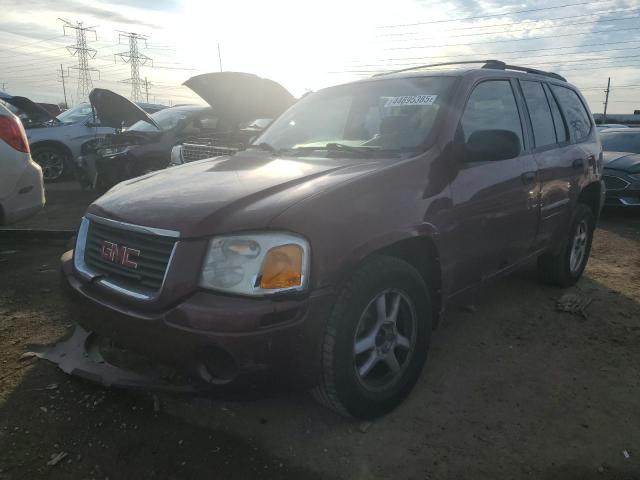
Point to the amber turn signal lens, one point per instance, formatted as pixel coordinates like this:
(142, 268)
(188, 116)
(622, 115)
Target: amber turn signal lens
(282, 267)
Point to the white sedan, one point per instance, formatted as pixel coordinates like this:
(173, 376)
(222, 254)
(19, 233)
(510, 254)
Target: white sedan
(21, 188)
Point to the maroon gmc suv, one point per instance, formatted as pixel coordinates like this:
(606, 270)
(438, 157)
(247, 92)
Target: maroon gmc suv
(326, 252)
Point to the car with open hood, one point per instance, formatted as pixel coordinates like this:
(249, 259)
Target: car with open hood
(323, 255)
(238, 106)
(622, 166)
(56, 141)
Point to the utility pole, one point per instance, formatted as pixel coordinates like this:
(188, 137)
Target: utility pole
(80, 49)
(136, 59)
(606, 101)
(64, 88)
(219, 56)
(4, 84)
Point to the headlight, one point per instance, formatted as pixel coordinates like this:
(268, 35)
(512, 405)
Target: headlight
(113, 151)
(256, 264)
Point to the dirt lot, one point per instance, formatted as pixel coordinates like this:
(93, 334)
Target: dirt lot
(512, 389)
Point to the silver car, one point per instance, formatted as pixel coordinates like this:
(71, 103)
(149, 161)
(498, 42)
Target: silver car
(56, 141)
(21, 186)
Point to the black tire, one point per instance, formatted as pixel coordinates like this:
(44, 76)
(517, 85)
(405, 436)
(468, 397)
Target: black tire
(342, 387)
(53, 160)
(557, 269)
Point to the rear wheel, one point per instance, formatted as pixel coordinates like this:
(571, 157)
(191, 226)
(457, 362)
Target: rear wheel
(52, 160)
(565, 268)
(376, 339)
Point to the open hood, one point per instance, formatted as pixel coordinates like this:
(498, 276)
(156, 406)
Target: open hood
(115, 111)
(29, 110)
(241, 97)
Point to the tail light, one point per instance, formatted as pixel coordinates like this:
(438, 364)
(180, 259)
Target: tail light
(12, 132)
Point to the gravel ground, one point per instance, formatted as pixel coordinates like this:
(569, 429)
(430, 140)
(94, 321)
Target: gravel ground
(513, 389)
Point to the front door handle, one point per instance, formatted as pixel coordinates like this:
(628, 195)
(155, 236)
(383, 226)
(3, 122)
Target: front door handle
(529, 177)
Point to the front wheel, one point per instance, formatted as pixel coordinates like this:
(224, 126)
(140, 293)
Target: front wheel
(52, 160)
(565, 268)
(376, 339)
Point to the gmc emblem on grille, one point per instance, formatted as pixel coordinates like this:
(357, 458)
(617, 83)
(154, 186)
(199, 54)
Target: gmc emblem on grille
(114, 253)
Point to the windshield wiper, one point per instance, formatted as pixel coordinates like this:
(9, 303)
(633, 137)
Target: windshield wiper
(341, 147)
(265, 146)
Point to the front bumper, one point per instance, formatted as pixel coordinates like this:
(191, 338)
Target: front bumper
(212, 338)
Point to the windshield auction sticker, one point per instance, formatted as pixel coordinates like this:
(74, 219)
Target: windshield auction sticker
(410, 100)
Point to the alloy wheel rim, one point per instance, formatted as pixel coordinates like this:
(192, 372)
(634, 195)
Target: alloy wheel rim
(52, 165)
(578, 247)
(385, 339)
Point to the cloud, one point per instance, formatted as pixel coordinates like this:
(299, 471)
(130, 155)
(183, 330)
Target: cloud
(78, 7)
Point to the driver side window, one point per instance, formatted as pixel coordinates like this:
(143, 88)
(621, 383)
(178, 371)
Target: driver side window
(492, 105)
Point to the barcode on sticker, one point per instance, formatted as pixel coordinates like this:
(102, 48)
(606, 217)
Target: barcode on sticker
(410, 100)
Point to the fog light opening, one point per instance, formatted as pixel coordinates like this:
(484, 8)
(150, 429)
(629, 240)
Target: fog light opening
(216, 366)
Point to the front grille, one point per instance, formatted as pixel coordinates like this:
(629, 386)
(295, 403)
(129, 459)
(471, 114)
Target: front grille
(192, 152)
(614, 183)
(151, 263)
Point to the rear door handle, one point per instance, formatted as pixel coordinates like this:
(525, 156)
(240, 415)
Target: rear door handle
(529, 177)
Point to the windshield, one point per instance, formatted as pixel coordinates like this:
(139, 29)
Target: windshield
(621, 142)
(395, 114)
(75, 114)
(166, 119)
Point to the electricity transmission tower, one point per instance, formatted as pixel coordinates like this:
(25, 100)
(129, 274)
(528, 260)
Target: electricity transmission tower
(136, 59)
(80, 49)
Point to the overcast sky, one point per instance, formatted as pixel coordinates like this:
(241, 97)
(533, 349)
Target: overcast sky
(310, 45)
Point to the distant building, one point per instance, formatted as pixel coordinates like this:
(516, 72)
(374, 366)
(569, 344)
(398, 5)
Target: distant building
(623, 118)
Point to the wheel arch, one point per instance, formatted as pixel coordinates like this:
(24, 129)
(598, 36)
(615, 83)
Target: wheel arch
(591, 195)
(53, 143)
(420, 250)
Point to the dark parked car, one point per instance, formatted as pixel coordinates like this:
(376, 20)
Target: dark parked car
(233, 98)
(325, 253)
(621, 172)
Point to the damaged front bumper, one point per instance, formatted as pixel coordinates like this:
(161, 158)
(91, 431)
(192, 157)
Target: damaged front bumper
(211, 340)
(80, 355)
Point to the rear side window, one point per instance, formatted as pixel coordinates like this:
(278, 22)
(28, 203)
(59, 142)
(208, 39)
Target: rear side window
(574, 111)
(544, 132)
(492, 105)
(558, 121)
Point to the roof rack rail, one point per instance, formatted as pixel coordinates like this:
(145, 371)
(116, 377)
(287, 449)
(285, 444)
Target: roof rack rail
(418, 67)
(494, 64)
(497, 64)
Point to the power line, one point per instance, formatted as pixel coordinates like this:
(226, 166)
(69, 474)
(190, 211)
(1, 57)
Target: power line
(83, 53)
(483, 54)
(30, 43)
(513, 39)
(525, 29)
(135, 59)
(500, 55)
(476, 17)
(475, 27)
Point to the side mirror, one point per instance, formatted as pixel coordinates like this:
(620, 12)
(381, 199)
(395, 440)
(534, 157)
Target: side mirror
(491, 145)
